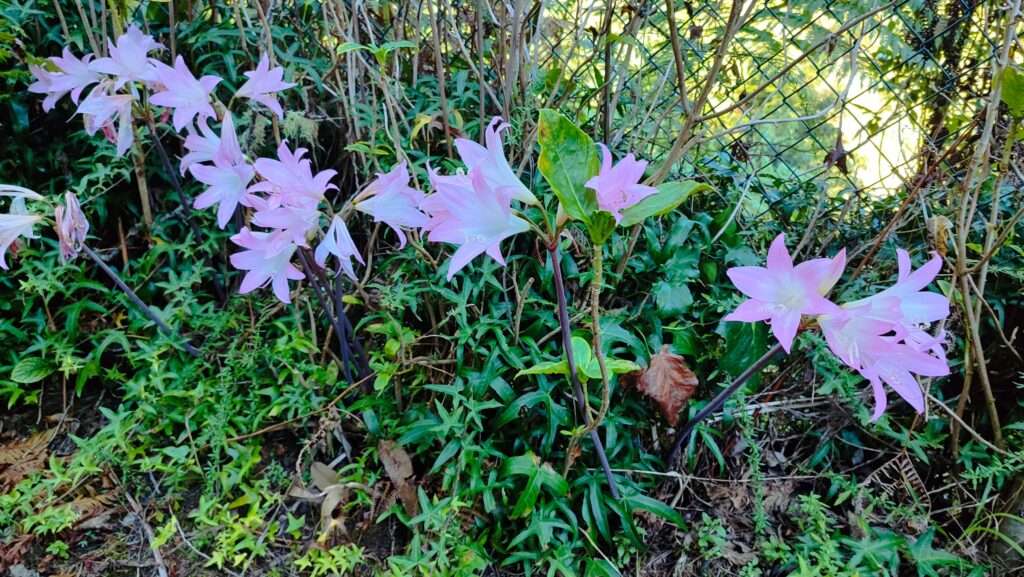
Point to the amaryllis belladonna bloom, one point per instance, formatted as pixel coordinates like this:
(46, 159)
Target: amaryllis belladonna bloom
(476, 219)
(618, 185)
(201, 146)
(267, 259)
(227, 179)
(781, 293)
(184, 93)
(129, 59)
(289, 179)
(338, 242)
(491, 163)
(73, 75)
(390, 199)
(100, 109)
(263, 83)
(18, 222)
(72, 227)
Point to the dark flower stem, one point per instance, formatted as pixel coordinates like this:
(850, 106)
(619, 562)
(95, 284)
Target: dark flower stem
(716, 403)
(577, 389)
(339, 327)
(185, 201)
(138, 302)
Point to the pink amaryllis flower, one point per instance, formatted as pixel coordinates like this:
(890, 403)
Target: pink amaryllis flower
(883, 336)
(390, 199)
(188, 96)
(618, 185)
(201, 146)
(781, 293)
(228, 178)
(338, 242)
(72, 227)
(100, 109)
(73, 75)
(289, 179)
(263, 83)
(476, 219)
(18, 222)
(491, 162)
(267, 258)
(129, 59)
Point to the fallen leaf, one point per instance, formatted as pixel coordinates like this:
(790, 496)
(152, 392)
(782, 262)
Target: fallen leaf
(669, 382)
(21, 458)
(837, 156)
(398, 466)
(332, 516)
(323, 476)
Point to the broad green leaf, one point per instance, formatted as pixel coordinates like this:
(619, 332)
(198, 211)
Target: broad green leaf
(927, 558)
(673, 297)
(669, 196)
(568, 159)
(744, 344)
(656, 507)
(346, 47)
(546, 368)
(31, 370)
(1013, 91)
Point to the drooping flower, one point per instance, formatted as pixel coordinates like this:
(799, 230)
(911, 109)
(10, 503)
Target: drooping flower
(201, 147)
(491, 162)
(477, 222)
(618, 185)
(781, 293)
(228, 178)
(184, 93)
(338, 242)
(100, 109)
(73, 76)
(869, 347)
(18, 221)
(290, 180)
(129, 58)
(267, 258)
(883, 336)
(263, 83)
(390, 199)
(72, 227)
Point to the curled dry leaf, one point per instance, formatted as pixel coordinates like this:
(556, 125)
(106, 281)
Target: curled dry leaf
(398, 466)
(669, 382)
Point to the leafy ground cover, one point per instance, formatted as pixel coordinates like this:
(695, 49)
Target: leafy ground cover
(448, 432)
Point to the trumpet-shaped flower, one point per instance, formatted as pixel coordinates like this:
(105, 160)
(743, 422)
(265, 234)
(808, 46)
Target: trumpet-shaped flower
(781, 293)
(129, 58)
(390, 199)
(188, 96)
(100, 109)
(201, 147)
(267, 258)
(73, 76)
(618, 185)
(228, 178)
(71, 226)
(263, 83)
(289, 180)
(338, 242)
(18, 221)
(296, 221)
(492, 164)
(476, 219)
(870, 347)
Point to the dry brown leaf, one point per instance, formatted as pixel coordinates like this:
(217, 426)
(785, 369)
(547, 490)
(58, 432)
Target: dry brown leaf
(21, 458)
(323, 476)
(399, 469)
(332, 515)
(669, 382)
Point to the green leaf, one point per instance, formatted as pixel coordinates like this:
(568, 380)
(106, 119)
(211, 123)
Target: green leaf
(673, 297)
(31, 370)
(601, 226)
(669, 196)
(927, 557)
(1013, 91)
(656, 507)
(568, 159)
(346, 47)
(744, 344)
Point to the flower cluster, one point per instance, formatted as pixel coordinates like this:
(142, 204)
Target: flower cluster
(882, 337)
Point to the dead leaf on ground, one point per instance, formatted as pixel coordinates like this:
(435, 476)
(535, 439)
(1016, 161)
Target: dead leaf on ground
(398, 466)
(669, 382)
(22, 457)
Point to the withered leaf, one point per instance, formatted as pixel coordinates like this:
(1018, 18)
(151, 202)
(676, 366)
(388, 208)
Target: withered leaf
(669, 382)
(837, 156)
(323, 476)
(398, 466)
